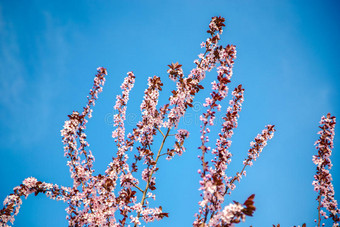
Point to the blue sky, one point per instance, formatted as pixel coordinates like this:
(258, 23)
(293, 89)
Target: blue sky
(287, 61)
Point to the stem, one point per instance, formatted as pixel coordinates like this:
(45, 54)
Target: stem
(319, 209)
(136, 186)
(163, 154)
(152, 171)
(235, 177)
(160, 132)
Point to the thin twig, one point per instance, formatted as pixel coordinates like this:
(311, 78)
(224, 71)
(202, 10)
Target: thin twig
(152, 171)
(319, 209)
(160, 132)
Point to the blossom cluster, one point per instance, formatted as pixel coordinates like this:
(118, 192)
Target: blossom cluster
(187, 87)
(234, 213)
(29, 186)
(258, 145)
(215, 182)
(323, 179)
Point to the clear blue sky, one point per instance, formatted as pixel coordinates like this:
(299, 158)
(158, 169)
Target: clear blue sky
(287, 60)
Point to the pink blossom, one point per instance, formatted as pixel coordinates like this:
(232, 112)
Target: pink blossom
(323, 179)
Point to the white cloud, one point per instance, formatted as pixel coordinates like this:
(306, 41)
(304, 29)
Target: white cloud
(28, 91)
(11, 67)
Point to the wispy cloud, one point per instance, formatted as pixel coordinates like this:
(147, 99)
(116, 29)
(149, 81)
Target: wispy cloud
(11, 66)
(27, 91)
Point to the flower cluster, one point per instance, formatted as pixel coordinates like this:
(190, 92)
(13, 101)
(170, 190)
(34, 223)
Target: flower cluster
(223, 143)
(215, 182)
(214, 179)
(175, 71)
(83, 193)
(323, 179)
(234, 213)
(121, 101)
(258, 145)
(188, 86)
(29, 186)
(179, 148)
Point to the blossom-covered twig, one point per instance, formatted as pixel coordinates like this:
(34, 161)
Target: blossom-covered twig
(81, 170)
(234, 213)
(253, 153)
(224, 56)
(323, 179)
(215, 183)
(214, 179)
(30, 185)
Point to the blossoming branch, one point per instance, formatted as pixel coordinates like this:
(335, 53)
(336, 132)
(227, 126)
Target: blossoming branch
(323, 179)
(121, 195)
